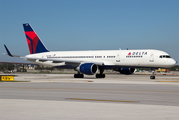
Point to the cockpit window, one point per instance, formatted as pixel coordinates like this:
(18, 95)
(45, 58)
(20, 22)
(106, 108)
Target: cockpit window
(164, 56)
(167, 56)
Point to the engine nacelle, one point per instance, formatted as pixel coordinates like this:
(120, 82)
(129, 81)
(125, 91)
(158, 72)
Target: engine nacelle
(126, 71)
(88, 68)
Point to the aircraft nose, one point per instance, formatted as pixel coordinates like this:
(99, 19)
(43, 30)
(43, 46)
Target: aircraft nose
(174, 62)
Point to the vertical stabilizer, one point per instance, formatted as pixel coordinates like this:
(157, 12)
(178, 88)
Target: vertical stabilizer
(33, 41)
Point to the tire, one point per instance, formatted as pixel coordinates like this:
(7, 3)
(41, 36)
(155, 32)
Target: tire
(78, 76)
(103, 75)
(81, 76)
(100, 75)
(97, 75)
(152, 77)
(75, 75)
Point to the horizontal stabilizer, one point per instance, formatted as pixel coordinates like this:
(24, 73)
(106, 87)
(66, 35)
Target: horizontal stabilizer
(9, 53)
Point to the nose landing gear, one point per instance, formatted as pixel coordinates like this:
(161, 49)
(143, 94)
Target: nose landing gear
(153, 74)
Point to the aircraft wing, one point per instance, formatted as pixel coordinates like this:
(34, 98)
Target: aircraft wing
(54, 60)
(67, 62)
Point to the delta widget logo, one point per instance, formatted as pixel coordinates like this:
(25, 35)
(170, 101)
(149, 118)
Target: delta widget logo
(137, 53)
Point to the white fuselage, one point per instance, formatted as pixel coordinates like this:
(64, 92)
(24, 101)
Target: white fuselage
(123, 58)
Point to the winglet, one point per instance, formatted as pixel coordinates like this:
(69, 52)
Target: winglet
(8, 52)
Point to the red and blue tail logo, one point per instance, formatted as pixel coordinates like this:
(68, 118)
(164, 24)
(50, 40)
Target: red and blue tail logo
(33, 41)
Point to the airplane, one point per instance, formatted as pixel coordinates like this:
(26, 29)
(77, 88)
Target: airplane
(94, 62)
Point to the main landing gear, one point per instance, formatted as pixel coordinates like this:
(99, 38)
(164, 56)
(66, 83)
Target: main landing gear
(153, 74)
(101, 75)
(78, 75)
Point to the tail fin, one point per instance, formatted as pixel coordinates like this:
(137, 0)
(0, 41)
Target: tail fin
(33, 41)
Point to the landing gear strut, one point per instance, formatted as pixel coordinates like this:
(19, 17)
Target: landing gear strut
(153, 74)
(101, 75)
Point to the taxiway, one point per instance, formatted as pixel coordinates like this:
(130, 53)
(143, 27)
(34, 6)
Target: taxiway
(60, 96)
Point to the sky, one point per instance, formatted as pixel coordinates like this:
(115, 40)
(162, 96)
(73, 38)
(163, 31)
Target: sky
(75, 25)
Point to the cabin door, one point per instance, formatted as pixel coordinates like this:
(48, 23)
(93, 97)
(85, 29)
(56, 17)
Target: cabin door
(151, 57)
(118, 57)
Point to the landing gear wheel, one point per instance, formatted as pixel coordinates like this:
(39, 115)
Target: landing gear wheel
(152, 77)
(78, 76)
(103, 75)
(100, 75)
(153, 74)
(97, 75)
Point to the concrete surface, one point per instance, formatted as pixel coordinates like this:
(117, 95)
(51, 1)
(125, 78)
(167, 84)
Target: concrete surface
(60, 96)
(19, 109)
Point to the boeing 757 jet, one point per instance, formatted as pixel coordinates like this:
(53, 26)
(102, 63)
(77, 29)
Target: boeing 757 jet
(94, 62)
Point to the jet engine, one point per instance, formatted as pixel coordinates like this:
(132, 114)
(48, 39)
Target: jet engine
(88, 68)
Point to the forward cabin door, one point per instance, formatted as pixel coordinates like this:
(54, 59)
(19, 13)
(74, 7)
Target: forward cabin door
(151, 59)
(118, 57)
